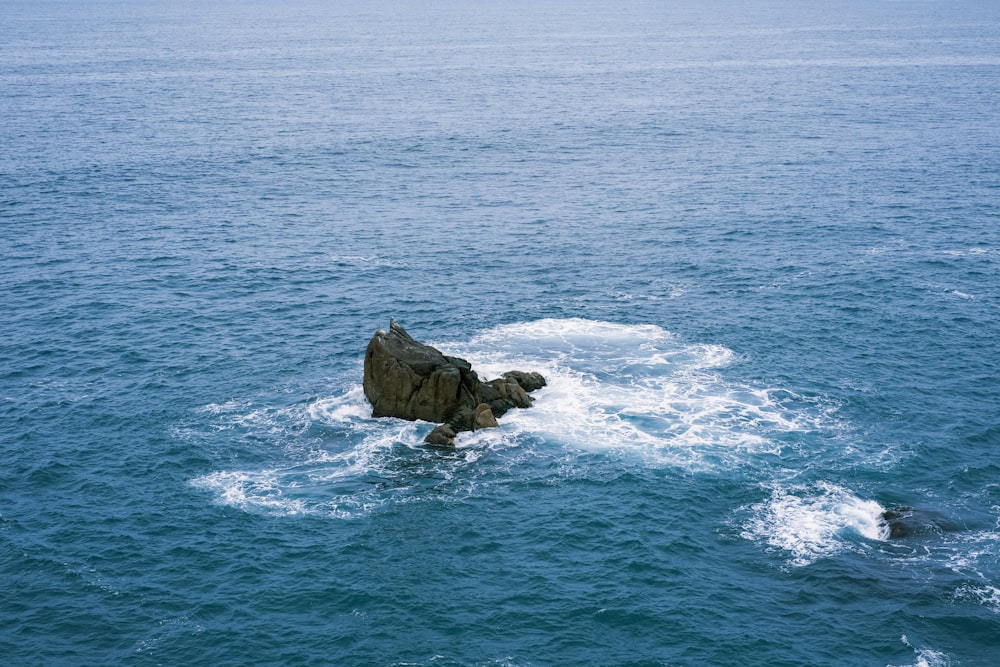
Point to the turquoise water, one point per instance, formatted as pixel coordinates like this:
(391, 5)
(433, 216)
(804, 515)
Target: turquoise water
(754, 247)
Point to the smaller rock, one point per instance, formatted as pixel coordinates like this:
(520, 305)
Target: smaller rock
(503, 394)
(906, 521)
(442, 436)
(528, 381)
(484, 417)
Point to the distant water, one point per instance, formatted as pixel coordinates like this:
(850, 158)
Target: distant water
(754, 246)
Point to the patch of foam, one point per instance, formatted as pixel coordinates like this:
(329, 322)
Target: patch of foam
(974, 555)
(556, 338)
(275, 423)
(925, 657)
(307, 478)
(635, 388)
(983, 594)
(968, 552)
(351, 406)
(261, 489)
(367, 463)
(223, 408)
(813, 522)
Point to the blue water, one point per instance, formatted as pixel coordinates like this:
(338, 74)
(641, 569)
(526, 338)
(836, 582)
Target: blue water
(754, 246)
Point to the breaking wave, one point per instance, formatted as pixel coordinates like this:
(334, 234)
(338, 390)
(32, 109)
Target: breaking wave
(814, 521)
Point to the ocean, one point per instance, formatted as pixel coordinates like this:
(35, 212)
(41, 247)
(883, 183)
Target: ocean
(753, 246)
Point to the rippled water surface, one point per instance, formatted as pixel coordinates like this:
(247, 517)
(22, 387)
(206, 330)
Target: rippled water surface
(754, 247)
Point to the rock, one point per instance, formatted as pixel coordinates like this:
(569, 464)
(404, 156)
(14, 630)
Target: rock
(410, 380)
(906, 521)
(485, 417)
(406, 379)
(507, 392)
(895, 521)
(442, 436)
(528, 381)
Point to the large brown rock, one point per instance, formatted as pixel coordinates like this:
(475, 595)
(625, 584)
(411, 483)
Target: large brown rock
(407, 379)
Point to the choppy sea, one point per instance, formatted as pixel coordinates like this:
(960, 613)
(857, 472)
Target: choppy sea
(753, 246)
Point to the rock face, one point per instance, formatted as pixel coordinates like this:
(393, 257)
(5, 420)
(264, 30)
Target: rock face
(410, 380)
(407, 379)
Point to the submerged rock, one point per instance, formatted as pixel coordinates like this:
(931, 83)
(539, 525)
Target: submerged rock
(410, 380)
(906, 521)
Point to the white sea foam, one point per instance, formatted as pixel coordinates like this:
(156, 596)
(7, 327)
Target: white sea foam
(636, 390)
(974, 555)
(925, 657)
(984, 594)
(813, 522)
(258, 489)
(370, 462)
(221, 408)
(968, 551)
(313, 480)
(351, 406)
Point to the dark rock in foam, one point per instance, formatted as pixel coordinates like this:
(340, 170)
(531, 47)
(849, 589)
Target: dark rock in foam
(410, 380)
(906, 521)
